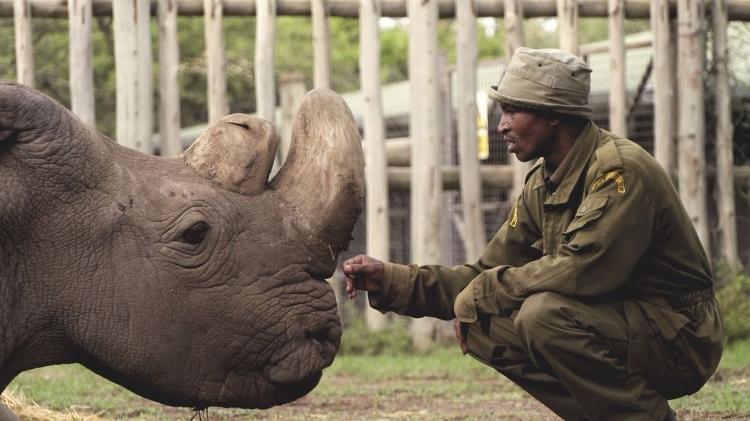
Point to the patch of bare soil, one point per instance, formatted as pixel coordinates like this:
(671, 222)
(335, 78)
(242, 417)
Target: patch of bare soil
(404, 401)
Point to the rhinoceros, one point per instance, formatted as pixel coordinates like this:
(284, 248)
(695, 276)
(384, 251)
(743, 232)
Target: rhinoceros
(192, 280)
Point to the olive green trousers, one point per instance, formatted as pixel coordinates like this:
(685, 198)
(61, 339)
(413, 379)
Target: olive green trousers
(574, 358)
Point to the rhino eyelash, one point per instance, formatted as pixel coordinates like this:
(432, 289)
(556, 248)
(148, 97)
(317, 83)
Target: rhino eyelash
(195, 234)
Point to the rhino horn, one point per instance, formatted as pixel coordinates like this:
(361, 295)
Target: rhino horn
(235, 153)
(323, 176)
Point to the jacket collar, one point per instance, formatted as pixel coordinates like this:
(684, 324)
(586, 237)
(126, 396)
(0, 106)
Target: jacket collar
(570, 170)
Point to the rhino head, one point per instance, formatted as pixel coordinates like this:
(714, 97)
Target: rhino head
(192, 281)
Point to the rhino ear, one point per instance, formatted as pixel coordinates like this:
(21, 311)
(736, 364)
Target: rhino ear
(23, 109)
(30, 118)
(236, 153)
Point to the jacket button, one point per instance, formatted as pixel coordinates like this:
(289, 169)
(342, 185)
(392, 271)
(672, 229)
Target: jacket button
(582, 209)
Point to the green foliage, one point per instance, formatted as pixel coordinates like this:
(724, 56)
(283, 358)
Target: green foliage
(728, 390)
(358, 340)
(734, 300)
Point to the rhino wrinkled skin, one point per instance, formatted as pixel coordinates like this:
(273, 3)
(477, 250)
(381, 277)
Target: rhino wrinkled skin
(192, 281)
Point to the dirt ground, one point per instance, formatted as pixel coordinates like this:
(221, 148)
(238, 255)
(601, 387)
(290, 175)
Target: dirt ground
(407, 403)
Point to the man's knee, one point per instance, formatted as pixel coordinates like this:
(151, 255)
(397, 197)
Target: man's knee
(541, 314)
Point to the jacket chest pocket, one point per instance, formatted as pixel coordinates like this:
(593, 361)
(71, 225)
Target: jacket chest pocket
(590, 210)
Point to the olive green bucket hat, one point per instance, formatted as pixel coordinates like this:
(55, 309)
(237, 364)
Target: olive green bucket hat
(546, 79)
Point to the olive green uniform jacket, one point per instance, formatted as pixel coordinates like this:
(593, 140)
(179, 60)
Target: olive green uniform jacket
(611, 229)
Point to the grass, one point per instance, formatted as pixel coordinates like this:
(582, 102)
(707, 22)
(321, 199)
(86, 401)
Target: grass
(729, 389)
(399, 386)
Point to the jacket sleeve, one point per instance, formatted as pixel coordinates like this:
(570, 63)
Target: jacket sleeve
(431, 290)
(600, 248)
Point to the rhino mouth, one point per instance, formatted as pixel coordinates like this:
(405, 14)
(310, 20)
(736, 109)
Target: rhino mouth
(299, 364)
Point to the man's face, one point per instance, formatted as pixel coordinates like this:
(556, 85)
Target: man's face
(528, 134)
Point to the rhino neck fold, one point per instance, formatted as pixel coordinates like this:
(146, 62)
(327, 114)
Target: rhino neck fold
(24, 352)
(27, 339)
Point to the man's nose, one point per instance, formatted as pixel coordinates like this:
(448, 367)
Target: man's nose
(504, 125)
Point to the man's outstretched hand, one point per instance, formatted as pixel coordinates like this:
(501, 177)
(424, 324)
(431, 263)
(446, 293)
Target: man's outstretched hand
(362, 272)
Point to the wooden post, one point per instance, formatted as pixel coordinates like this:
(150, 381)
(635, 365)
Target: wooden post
(216, 62)
(24, 47)
(132, 33)
(514, 38)
(618, 96)
(567, 19)
(265, 87)
(378, 225)
(426, 192)
(471, 186)
(692, 124)
(724, 138)
(321, 45)
(664, 84)
(169, 94)
(81, 61)
(291, 91)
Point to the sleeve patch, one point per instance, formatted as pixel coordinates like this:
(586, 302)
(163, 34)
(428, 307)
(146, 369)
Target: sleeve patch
(613, 175)
(514, 219)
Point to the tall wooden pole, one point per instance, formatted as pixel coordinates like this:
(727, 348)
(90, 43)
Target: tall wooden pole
(617, 89)
(471, 186)
(265, 87)
(426, 192)
(216, 62)
(169, 94)
(664, 84)
(291, 92)
(514, 38)
(567, 19)
(81, 61)
(724, 138)
(321, 45)
(132, 33)
(378, 225)
(692, 124)
(24, 47)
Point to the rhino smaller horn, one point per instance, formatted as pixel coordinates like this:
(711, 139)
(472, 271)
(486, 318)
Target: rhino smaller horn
(237, 153)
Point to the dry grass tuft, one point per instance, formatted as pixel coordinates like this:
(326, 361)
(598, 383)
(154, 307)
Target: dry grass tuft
(30, 411)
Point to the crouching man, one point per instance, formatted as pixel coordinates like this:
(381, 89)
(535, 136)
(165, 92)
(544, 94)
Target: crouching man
(595, 296)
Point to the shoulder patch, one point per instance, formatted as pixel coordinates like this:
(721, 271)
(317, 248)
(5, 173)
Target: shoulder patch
(612, 175)
(514, 218)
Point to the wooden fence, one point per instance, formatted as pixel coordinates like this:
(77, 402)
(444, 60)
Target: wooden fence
(684, 117)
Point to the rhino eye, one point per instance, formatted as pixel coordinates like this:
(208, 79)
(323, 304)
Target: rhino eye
(196, 233)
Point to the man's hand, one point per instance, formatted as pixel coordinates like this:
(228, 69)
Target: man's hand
(362, 272)
(462, 329)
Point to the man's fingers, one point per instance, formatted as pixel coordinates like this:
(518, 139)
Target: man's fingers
(358, 269)
(351, 287)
